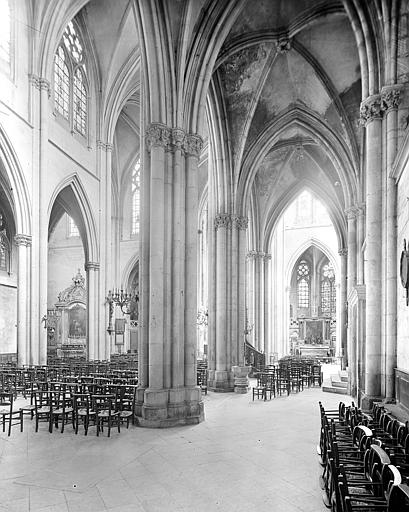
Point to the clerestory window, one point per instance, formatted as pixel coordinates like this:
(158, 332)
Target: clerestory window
(135, 188)
(70, 80)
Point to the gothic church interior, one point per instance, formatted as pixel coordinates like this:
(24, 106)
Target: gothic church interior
(238, 169)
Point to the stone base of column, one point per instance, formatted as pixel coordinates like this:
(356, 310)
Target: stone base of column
(241, 381)
(366, 401)
(169, 407)
(220, 381)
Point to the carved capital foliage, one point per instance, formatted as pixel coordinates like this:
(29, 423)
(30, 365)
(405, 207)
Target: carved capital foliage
(105, 146)
(258, 255)
(391, 96)
(157, 135)
(22, 240)
(223, 220)
(42, 84)
(371, 109)
(178, 137)
(193, 144)
(351, 212)
(343, 252)
(241, 222)
(172, 139)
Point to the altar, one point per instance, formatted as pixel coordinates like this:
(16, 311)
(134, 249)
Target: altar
(320, 350)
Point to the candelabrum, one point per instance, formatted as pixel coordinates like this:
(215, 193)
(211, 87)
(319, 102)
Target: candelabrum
(127, 301)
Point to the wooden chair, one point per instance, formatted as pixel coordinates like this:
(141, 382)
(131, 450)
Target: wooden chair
(62, 406)
(83, 411)
(7, 413)
(43, 401)
(260, 389)
(106, 412)
(126, 404)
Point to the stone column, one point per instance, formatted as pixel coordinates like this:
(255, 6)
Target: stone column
(371, 116)
(168, 394)
(102, 349)
(240, 371)
(23, 243)
(38, 335)
(360, 240)
(92, 270)
(266, 306)
(343, 306)
(351, 283)
(390, 101)
(259, 302)
(221, 379)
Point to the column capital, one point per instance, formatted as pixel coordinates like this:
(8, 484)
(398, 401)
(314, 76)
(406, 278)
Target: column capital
(92, 265)
(240, 222)
(193, 144)
(351, 212)
(391, 96)
(223, 220)
(105, 146)
(173, 139)
(157, 135)
(21, 239)
(343, 252)
(40, 83)
(258, 255)
(371, 109)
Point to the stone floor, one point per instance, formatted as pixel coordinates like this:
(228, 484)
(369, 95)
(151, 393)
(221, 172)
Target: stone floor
(246, 456)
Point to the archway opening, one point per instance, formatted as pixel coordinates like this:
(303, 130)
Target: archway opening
(67, 302)
(304, 285)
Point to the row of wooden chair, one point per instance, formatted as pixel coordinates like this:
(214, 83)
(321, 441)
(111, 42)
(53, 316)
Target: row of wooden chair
(285, 378)
(59, 402)
(359, 474)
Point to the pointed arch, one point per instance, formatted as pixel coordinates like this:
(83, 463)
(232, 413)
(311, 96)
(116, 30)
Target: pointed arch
(315, 127)
(70, 196)
(18, 190)
(312, 242)
(128, 270)
(336, 215)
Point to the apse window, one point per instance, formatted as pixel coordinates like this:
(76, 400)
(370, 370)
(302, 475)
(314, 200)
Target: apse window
(303, 285)
(72, 228)
(136, 203)
(70, 80)
(328, 291)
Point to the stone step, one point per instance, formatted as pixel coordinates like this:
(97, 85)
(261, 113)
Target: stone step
(337, 382)
(329, 387)
(344, 376)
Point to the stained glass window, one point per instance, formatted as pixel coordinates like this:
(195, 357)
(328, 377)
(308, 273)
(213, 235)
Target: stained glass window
(5, 30)
(80, 103)
(72, 228)
(70, 82)
(61, 83)
(328, 292)
(303, 284)
(136, 197)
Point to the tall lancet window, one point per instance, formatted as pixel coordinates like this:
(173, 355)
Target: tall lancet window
(136, 197)
(70, 80)
(5, 31)
(328, 301)
(303, 284)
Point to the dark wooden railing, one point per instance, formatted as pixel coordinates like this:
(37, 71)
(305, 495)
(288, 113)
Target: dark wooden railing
(253, 357)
